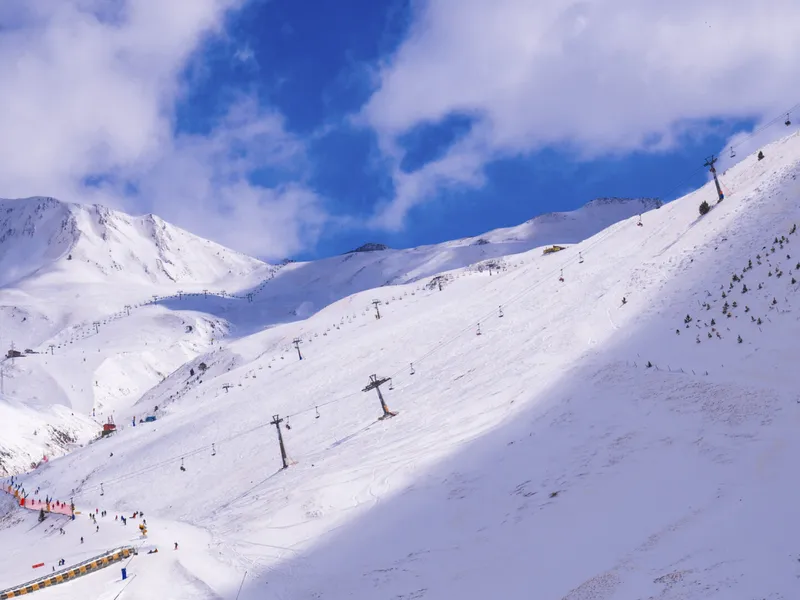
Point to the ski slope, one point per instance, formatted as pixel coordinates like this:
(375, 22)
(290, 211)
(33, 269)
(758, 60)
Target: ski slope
(580, 447)
(109, 305)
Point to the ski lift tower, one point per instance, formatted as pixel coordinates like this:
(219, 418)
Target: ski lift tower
(710, 164)
(375, 383)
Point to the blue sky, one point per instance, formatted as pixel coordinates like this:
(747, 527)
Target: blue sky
(305, 129)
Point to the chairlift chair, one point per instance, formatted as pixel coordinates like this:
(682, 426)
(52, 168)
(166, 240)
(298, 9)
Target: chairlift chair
(733, 154)
(788, 120)
(182, 467)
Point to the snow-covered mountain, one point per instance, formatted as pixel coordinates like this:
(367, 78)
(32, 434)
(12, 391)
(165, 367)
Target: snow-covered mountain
(82, 243)
(614, 421)
(79, 276)
(300, 289)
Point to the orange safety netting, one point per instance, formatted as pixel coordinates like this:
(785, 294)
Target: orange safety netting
(55, 506)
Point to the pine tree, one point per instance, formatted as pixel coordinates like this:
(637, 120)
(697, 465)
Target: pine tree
(704, 208)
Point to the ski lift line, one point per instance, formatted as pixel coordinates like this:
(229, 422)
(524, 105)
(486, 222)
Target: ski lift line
(767, 125)
(168, 461)
(746, 138)
(467, 328)
(493, 312)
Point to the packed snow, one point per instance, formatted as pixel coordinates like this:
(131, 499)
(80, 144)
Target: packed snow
(612, 421)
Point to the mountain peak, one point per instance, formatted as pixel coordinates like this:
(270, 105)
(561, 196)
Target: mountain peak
(369, 247)
(39, 234)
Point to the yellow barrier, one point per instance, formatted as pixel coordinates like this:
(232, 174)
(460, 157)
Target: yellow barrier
(73, 573)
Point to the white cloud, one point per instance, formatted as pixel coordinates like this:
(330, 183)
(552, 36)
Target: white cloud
(601, 76)
(213, 171)
(90, 87)
(246, 55)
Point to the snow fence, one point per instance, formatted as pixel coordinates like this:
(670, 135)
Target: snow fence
(88, 566)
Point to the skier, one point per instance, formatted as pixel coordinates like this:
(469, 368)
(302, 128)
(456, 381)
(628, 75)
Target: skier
(81, 539)
(176, 545)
